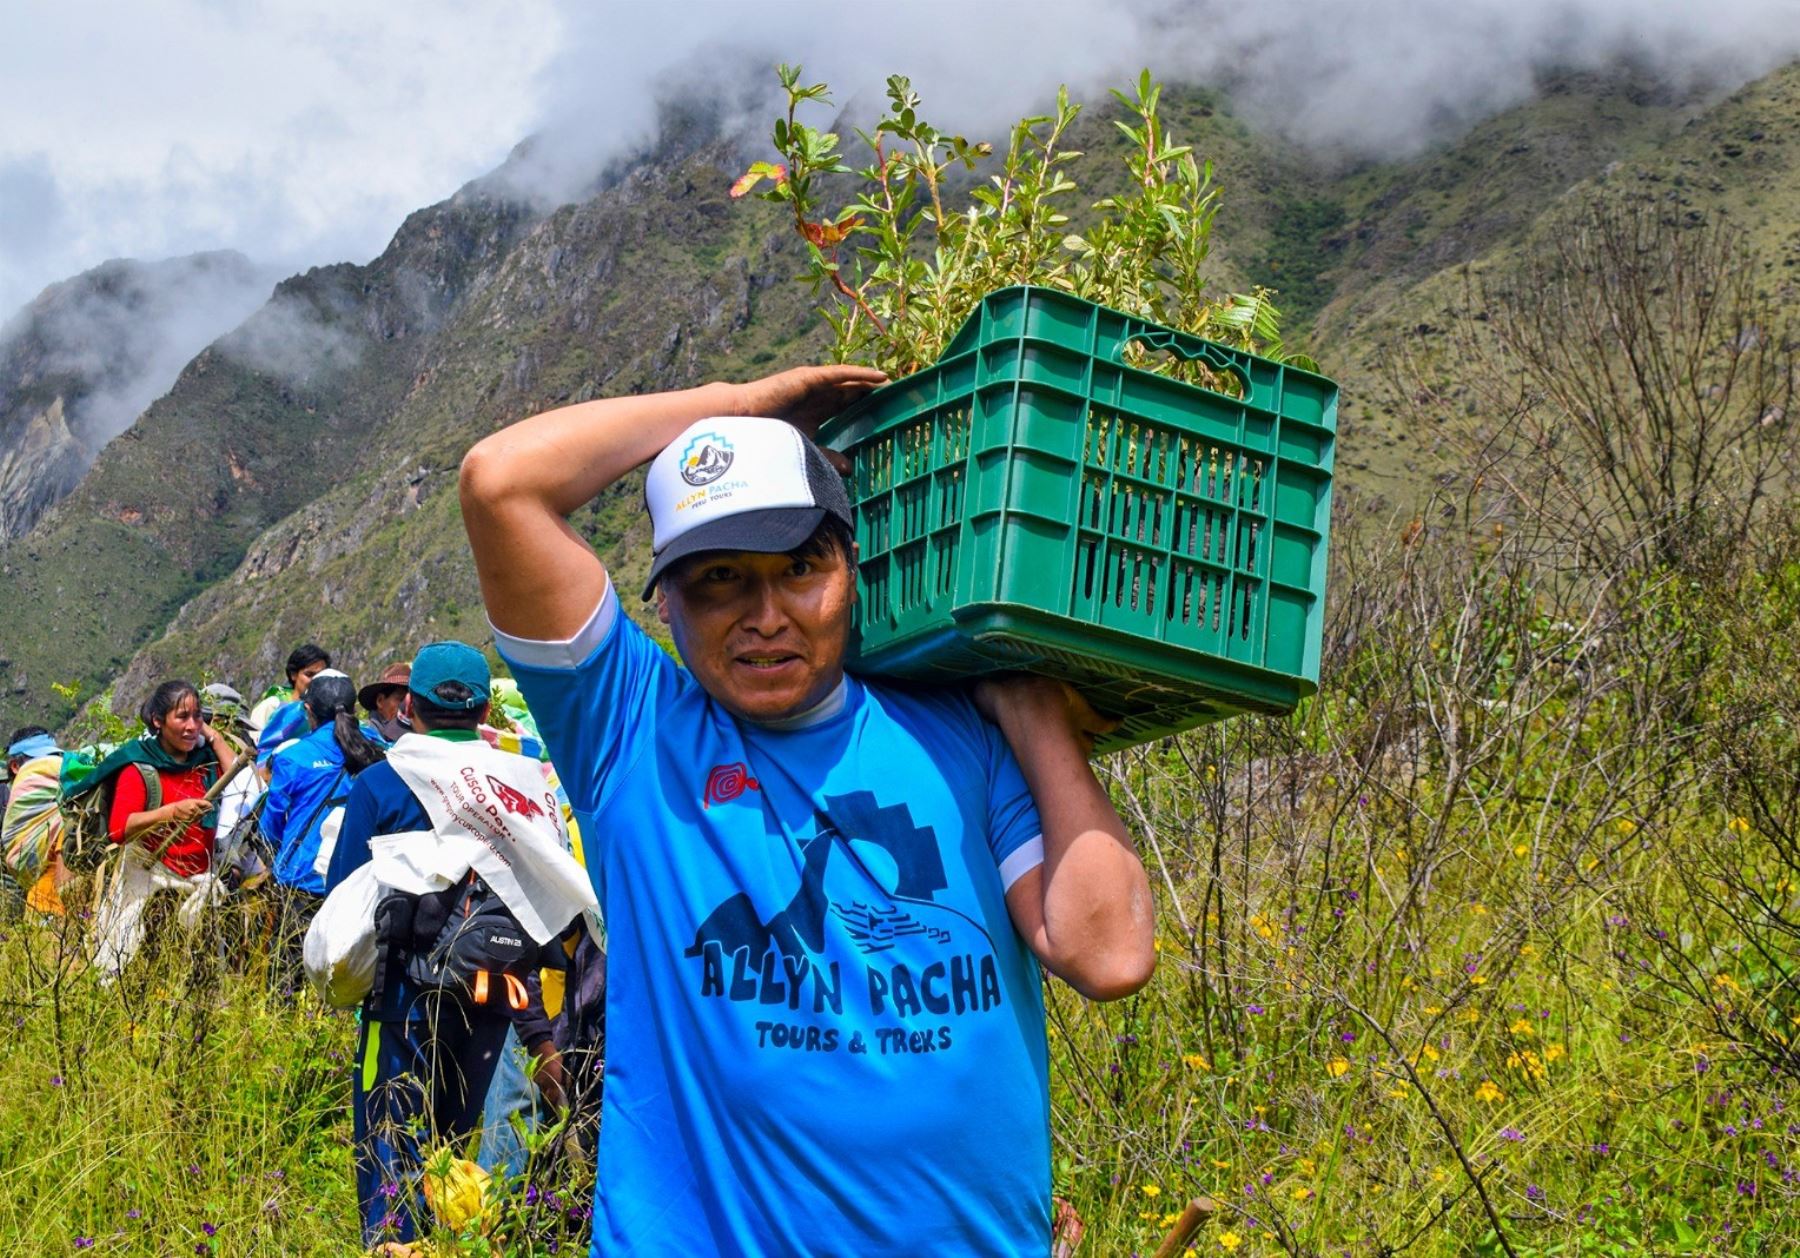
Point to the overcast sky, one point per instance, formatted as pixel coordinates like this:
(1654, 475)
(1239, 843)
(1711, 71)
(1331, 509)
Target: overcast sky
(302, 133)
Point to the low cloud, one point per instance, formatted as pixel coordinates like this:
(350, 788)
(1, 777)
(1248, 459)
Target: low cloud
(293, 338)
(306, 137)
(1379, 78)
(130, 328)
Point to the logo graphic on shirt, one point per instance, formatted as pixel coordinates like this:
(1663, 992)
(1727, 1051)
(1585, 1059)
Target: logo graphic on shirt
(726, 782)
(876, 874)
(707, 457)
(514, 801)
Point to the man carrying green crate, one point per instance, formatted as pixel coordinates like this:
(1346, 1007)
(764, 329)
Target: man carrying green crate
(827, 899)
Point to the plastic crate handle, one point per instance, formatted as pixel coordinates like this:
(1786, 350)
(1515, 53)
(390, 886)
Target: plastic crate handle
(1190, 348)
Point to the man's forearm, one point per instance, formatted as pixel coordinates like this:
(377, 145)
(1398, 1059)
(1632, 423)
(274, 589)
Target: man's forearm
(565, 457)
(1097, 924)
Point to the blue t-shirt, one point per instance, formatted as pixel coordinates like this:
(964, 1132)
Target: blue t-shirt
(307, 780)
(824, 1034)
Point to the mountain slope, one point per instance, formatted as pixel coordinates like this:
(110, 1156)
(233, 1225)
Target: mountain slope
(298, 482)
(81, 362)
(256, 426)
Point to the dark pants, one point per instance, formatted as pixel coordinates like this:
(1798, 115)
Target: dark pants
(294, 911)
(419, 1083)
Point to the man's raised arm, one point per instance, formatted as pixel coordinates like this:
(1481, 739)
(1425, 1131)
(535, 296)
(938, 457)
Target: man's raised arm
(539, 578)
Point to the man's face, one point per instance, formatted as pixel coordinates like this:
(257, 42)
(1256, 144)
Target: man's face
(763, 634)
(387, 704)
(303, 678)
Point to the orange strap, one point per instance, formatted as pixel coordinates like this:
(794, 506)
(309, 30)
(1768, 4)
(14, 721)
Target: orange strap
(516, 995)
(481, 987)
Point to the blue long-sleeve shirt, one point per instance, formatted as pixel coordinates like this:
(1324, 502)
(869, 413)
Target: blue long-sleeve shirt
(307, 780)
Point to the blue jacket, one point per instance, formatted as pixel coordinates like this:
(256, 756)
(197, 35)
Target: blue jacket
(307, 780)
(285, 722)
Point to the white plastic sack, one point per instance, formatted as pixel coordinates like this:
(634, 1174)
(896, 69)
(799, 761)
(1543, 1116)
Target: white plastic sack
(339, 950)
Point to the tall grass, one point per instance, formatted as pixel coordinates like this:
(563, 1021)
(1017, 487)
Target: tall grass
(1480, 953)
(1489, 949)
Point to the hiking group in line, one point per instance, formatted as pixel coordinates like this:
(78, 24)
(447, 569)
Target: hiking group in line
(828, 901)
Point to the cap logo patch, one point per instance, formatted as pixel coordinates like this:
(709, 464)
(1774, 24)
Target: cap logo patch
(707, 457)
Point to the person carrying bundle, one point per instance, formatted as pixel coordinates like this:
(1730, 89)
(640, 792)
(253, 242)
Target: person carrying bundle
(280, 717)
(158, 808)
(475, 889)
(826, 899)
(30, 824)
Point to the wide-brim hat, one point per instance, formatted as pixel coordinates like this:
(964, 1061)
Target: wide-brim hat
(738, 483)
(393, 677)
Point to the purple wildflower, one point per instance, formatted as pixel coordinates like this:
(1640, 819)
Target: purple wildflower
(1533, 1192)
(1512, 1134)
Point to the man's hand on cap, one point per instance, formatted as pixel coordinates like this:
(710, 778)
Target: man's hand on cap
(807, 396)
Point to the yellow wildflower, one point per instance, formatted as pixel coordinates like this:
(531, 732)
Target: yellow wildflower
(1150, 1190)
(1522, 849)
(1478, 979)
(1229, 1241)
(1521, 1027)
(1301, 1192)
(1223, 1166)
(1554, 1052)
(1488, 1092)
(1627, 826)
(1194, 1061)
(1430, 1051)
(1738, 825)
(1336, 1067)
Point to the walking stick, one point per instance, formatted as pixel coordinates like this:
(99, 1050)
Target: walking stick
(211, 797)
(1198, 1211)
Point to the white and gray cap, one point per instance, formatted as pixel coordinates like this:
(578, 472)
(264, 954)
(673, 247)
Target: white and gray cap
(738, 483)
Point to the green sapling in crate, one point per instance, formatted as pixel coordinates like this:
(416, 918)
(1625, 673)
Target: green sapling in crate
(1088, 467)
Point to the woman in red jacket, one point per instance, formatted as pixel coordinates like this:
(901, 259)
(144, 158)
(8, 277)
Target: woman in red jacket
(169, 846)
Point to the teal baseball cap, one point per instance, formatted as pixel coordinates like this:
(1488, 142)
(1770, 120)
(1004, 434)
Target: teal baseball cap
(439, 662)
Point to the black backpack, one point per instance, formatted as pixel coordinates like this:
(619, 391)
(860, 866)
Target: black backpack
(462, 940)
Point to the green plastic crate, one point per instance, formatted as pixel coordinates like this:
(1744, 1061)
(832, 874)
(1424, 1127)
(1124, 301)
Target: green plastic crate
(1031, 502)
